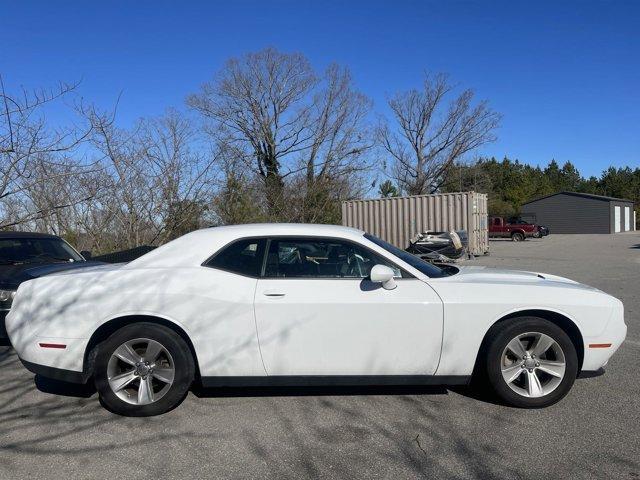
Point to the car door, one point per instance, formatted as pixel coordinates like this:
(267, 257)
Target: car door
(317, 313)
(505, 228)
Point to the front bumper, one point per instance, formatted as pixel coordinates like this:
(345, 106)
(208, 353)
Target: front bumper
(591, 373)
(3, 328)
(595, 355)
(38, 351)
(59, 374)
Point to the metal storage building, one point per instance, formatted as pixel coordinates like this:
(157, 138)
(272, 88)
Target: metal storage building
(573, 212)
(398, 219)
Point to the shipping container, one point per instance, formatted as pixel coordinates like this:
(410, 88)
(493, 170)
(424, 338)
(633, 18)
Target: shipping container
(399, 219)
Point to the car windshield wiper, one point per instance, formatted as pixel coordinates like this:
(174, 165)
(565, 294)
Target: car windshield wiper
(44, 256)
(10, 262)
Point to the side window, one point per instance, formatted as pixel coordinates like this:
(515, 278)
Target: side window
(243, 257)
(311, 258)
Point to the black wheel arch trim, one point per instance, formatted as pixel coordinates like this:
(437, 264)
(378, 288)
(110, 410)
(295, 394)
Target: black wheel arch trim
(109, 327)
(562, 321)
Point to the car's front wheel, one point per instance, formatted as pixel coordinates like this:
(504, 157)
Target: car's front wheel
(517, 237)
(143, 369)
(530, 362)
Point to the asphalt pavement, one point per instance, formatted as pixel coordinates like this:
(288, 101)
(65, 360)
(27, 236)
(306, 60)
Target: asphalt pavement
(49, 430)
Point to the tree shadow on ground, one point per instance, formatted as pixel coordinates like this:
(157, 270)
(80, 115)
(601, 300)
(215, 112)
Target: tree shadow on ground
(340, 432)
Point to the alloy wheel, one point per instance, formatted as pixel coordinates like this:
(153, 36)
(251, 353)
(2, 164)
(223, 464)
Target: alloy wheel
(140, 371)
(533, 364)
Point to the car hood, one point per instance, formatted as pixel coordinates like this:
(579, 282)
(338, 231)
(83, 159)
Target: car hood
(11, 276)
(97, 268)
(481, 274)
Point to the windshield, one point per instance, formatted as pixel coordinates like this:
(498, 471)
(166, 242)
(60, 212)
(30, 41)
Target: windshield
(417, 263)
(36, 250)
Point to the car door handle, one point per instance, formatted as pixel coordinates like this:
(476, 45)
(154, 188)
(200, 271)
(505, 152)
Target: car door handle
(271, 293)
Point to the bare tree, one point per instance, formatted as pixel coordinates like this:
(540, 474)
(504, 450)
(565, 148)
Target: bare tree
(154, 181)
(256, 102)
(337, 124)
(34, 155)
(430, 134)
(340, 139)
(181, 175)
(285, 121)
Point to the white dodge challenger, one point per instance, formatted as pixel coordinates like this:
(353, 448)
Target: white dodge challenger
(286, 304)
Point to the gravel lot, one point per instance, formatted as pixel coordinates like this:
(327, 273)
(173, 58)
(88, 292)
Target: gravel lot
(347, 433)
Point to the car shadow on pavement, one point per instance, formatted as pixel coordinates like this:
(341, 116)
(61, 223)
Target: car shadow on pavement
(65, 389)
(479, 394)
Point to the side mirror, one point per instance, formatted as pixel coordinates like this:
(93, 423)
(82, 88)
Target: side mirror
(384, 275)
(86, 254)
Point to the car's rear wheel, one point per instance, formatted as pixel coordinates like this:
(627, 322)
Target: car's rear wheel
(530, 362)
(143, 369)
(517, 237)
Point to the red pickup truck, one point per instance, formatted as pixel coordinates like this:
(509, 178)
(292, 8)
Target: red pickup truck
(498, 227)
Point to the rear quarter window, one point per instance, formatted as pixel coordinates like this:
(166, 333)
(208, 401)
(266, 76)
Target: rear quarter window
(243, 257)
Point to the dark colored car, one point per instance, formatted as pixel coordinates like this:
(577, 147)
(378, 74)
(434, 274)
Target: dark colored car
(24, 256)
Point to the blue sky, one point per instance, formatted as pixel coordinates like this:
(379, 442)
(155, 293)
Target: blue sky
(565, 75)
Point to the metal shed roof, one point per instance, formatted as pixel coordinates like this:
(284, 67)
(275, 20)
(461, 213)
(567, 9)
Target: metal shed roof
(584, 195)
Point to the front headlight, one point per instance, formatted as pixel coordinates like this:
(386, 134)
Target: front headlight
(6, 298)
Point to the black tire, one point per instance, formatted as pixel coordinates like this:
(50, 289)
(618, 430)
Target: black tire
(181, 356)
(517, 237)
(500, 335)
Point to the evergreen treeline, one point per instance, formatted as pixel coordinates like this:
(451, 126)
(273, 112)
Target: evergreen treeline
(510, 183)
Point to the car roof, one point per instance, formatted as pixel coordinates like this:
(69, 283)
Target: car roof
(196, 247)
(284, 229)
(26, 235)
